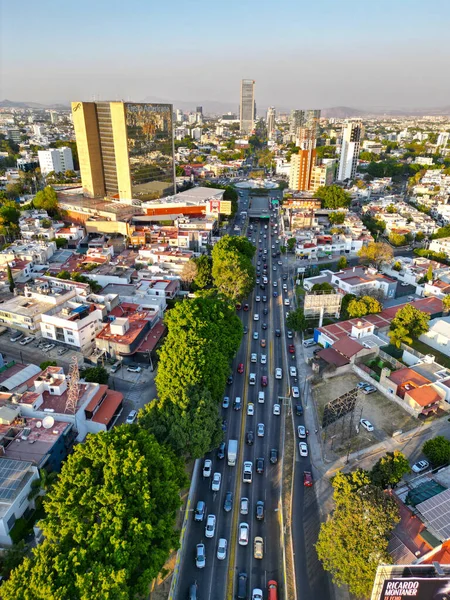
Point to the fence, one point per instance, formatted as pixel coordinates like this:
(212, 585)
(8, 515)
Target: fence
(396, 364)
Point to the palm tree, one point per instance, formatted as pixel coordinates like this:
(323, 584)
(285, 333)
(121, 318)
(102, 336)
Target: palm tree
(400, 335)
(43, 484)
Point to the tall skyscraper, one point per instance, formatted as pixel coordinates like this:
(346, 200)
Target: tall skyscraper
(297, 120)
(270, 121)
(348, 160)
(125, 149)
(301, 168)
(199, 109)
(306, 124)
(247, 107)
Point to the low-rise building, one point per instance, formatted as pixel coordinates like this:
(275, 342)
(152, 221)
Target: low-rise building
(37, 252)
(441, 245)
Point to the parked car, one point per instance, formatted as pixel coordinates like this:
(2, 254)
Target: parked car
(26, 340)
(366, 424)
(132, 416)
(134, 369)
(420, 466)
(369, 389)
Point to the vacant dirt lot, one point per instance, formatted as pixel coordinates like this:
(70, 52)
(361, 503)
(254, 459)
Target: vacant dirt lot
(385, 415)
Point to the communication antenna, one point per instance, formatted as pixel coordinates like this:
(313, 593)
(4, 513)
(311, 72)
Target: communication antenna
(74, 390)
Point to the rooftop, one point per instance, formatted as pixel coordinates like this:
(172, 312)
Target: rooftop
(14, 475)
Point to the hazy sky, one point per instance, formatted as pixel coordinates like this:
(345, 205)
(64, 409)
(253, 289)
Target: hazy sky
(391, 53)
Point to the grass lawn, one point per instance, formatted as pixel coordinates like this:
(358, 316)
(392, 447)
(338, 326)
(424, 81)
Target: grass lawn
(441, 359)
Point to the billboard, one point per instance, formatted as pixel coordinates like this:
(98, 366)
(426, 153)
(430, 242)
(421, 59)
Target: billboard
(220, 206)
(418, 588)
(329, 304)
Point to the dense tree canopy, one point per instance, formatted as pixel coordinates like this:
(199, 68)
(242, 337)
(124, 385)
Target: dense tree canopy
(437, 450)
(360, 307)
(203, 277)
(342, 263)
(109, 523)
(389, 469)
(232, 269)
(376, 253)
(296, 320)
(333, 197)
(336, 218)
(95, 375)
(354, 541)
(47, 199)
(413, 320)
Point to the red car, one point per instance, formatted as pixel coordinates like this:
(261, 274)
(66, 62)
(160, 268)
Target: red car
(238, 306)
(240, 368)
(245, 307)
(292, 348)
(264, 380)
(307, 479)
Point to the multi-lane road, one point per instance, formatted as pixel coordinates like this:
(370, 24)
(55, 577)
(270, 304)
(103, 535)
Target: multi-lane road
(218, 579)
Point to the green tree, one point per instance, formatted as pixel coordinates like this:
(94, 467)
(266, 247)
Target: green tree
(343, 546)
(413, 320)
(61, 242)
(232, 269)
(283, 249)
(430, 273)
(63, 275)
(336, 218)
(360, 307)
(203, 278)
(376, 253)
(333, 197)
(296, 320)
(11, 283)
(397, 239)
(9, 213)
(110, 521)
(47, 363)
(322, 287)
(47, 199)
(14, 190)
(95, 375)
(399, 335)
(12, 558)
(397, 266)
(291, 244)
(420, 236)
(342, 263)
(446, 303)
(43, 484)
(390, 469)
(437, 450)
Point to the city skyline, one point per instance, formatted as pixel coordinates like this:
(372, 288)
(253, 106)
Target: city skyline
(200, 69)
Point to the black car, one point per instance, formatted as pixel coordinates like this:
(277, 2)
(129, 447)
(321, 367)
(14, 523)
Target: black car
(274, 456)
(285, 277)
(245, 331)
(250, 438)
(277, 332)
(224, 425)
(299, 410)
(221, 450)
(264, 326)
(263, 286)
(228, 502)
(242, 586)
(275, 294)
(260, 510)
(265, 311)
(264, 298)
(230, 379)
(260, 465)
(192, 592)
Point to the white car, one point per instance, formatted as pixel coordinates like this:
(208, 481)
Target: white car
(207, 468)
(254, 357)
(257, 594)
(366, 424)
(301, 431)
(261, 397)
(134, 369)
(244, 506)
(200, 558)
(263, 359)
(303, 448)
(215, 483)
(256, 317)
(210, 528)
(276, 409)
(278, 373)
(285, 287)
(293, 371)
(420, 466)
(131, 417)
(250, 409)
(222, 549)
(244, 531)
(255, 333)
(295, 391)
(258, 299)
(260, 430)
(286, 302)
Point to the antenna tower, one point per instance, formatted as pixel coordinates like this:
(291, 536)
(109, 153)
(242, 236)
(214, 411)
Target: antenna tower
(74, 390)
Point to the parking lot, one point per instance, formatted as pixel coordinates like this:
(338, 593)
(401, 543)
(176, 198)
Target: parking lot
(385, 415)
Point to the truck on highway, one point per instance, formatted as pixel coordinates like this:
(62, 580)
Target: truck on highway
(232, 452)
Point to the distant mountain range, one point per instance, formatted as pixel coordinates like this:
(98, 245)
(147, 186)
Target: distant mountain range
(216, 107)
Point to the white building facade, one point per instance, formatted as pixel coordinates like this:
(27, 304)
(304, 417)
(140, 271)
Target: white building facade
(58, 160)
(348, 161)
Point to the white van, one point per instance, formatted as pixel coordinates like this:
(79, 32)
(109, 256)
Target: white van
(261, 397)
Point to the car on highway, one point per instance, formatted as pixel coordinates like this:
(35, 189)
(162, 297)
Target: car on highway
(274, 456)
(221, 450)
(252, 379)
(299, 410)
(277, 333)
(210, 527)
(228, 502)
(248, 471)
(250, 438)
(276, 409)
(225, 402)
(244, 531)
(260, 465)
(260, 430)
(366, 424)
(303, 448)
(215, 483)
(257, 594)
(285, 277)
(257, 298)
(301, 432)
(132, 416)
(253, 357)
(258, 548)
(263, 359)
(295, 391)
(245, 329)
(284, 286)
(240, 368)
(243, 506)
(291, 349)
(274, 268)
(200, 558)
(287, 302)
(246, 307)
(260, 510)
(230, 379)
(255, 335)
(369, 389)
(261, 397)
(134, 369)
(264, 326)
(222, 549)
(237, 405)
(199, 513)
(272, 587)
(420, 466)
(307, 479)
(293, 371)
(290, 334)
(242, 586)
(265, 311)
(278, 373)
(207, 468)
(250, 409)
(275, 294)
(264, 380)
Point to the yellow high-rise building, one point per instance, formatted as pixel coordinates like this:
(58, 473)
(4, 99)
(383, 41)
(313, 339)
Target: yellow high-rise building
(125, 149)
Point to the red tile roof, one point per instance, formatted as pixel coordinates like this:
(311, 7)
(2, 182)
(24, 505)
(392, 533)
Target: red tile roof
(441, 555)
(332, 357)
(407, 375)
(108, 407)
(348, 347)
(424, 395)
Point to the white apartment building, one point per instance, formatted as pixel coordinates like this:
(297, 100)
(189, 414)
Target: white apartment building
(322, 174)
(441, 245)
(75, 324)
(348, 160)
(38, 252)
(55, 159)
